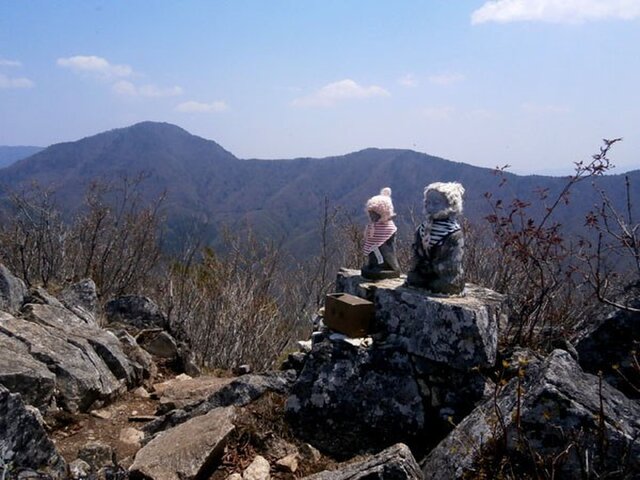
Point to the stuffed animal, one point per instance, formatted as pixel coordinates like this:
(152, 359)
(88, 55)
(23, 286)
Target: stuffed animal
(438, 246)
(380, 238)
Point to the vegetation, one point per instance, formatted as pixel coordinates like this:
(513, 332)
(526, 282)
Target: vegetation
(247, 301)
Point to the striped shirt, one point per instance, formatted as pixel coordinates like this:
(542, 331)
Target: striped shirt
(376, 234)
(438, 231)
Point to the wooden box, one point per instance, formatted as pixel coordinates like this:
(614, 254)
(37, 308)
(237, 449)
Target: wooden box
(348, 314)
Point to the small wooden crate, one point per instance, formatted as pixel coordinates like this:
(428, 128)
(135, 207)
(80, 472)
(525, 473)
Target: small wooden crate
(348, 314)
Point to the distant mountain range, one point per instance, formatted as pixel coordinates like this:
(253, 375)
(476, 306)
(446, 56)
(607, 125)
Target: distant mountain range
(280, 199)
(9, 155)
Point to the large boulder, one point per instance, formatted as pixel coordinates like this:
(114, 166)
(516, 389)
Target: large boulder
(103, 342)
(611, 345)
(81, 376)
(12, 291)
(159, 343)
(82, 299)
(23, 441)
(140, 359)
(349, 399)
(187, 451)
(394, 463)
(136, 311)
(23, 374)
(460, 331)
(555, 416)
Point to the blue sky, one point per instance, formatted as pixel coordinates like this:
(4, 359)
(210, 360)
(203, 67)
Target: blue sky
(532, 83)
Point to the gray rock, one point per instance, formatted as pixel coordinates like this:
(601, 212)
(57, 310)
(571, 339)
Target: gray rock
(258, 469)
(448, 393)
(612, 345)
(185, 393)
(79, 469)
(97, 455)
(23, 440)
(82, 299)
(187, 451)
(241, 391)
(394, 463)
(459, 331)
(105, 344)
(140, 360)
(158, 343)
(136, 311)
(12, 291)
(187, 360)
(288, 463)
(560, 409)
(23, 374)
(41, 296)
(81, 375)
(350, 399)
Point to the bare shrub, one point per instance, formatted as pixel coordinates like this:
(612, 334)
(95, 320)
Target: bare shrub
(232, 308)
(537, 264)
(113, 238)
(33, 243)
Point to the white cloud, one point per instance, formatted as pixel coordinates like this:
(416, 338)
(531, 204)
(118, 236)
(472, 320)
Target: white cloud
(200, 107)
(335, 92)
(96, 66)
(409, 80)
(439, 113)
(558, 11)
(9, 63)
(15, 82)
(446, 78)
(537, 108)
(125, 87)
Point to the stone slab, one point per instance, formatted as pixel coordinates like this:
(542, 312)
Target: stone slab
(458, 330)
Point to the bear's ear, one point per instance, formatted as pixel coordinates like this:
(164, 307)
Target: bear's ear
(459, 188)
(386, 191)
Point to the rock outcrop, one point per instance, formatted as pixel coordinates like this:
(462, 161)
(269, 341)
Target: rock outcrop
(158, 343)
(24, 444)
(349, 398)
(419, 370)
(23, 374)
(81, 376)
(105, 344)
(187, 451)
(612, 345)
(135, 310)
(458, 331)
(12, 291)
(50, 355)
(556, 415)
(394, 463)
(82, 299)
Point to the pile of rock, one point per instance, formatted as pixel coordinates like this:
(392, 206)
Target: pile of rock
(422, 364)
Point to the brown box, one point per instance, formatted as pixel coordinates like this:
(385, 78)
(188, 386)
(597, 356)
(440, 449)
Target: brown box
(348, 314)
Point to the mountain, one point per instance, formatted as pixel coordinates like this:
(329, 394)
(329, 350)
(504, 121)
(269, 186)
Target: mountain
(9, 155)
(280, 199)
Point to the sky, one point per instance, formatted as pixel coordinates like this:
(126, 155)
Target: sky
(535, 84)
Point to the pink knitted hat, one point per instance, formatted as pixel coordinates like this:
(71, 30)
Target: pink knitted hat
(382, 205)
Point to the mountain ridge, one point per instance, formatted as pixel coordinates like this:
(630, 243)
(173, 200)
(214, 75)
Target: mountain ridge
(281, 199)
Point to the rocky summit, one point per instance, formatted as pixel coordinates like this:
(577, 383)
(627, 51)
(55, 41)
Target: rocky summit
(426, 393)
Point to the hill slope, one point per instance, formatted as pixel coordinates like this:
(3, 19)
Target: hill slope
(281, 199)
(9, 155)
